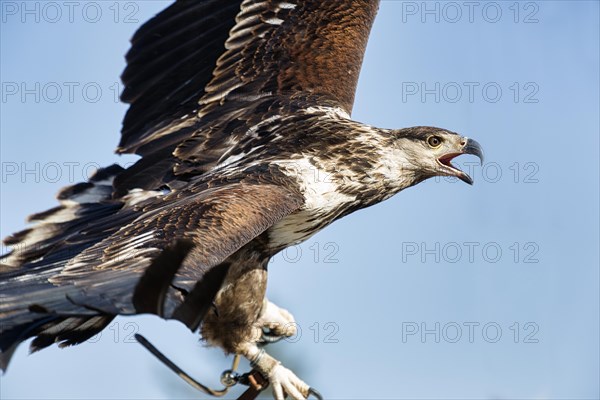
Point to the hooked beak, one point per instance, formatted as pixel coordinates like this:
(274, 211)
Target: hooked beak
(470, 146)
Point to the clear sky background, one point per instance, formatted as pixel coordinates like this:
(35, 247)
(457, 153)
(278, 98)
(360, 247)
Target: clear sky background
(444, 291)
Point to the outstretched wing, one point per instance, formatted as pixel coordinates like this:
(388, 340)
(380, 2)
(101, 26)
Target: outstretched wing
(168, 249)
(171, 260)
(271, 47)
(174, 246)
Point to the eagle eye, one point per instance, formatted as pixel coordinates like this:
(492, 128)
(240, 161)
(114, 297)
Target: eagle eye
(434, 141)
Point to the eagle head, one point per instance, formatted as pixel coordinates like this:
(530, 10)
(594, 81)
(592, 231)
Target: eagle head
(428, 151)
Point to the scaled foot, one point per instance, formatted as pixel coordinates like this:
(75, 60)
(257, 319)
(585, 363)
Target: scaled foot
(275, 323)
(282, 380)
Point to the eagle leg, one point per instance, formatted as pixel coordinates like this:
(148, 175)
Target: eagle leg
(276, 323)
(242, 312)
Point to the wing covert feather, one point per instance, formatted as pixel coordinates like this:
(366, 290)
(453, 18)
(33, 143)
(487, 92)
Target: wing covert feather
(216, 222)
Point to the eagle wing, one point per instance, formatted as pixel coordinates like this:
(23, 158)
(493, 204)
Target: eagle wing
(167, 243)
(149, 264)
(163, 256)
(253, 49)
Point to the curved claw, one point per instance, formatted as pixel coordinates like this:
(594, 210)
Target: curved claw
(267, 337)
(275, 324)
(315, 393)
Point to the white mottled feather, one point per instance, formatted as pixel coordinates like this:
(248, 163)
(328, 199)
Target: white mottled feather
(321, 196)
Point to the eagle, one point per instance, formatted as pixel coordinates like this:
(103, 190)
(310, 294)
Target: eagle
(240, 113)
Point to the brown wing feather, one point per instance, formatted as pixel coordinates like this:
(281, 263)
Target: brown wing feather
(314, 46)
(169, 63)
(144, 259)
(274, 47)
(216, 222)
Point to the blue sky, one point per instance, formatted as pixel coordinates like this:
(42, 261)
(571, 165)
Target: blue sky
(444, 291)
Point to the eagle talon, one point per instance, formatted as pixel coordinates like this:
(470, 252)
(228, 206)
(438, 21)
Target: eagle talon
(275, 323)
(268, 336)
(315, 393)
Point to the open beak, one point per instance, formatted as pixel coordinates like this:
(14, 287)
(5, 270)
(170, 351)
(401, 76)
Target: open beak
(470, 146)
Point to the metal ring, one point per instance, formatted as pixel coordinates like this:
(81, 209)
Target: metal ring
(256, 359)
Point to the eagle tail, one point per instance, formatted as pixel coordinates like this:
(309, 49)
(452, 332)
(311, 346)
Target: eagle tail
(49, 329)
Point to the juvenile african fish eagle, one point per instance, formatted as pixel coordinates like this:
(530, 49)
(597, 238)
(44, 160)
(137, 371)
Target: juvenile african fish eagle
(233, 107)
